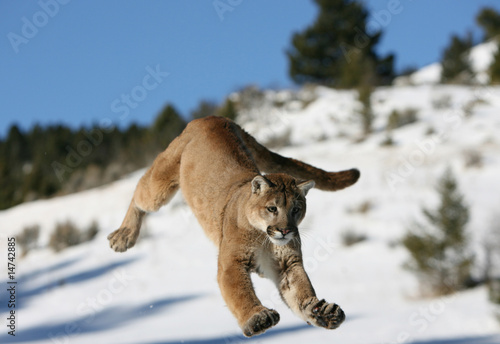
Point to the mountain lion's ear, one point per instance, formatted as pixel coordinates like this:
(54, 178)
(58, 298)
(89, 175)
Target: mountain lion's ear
(259, 184)
(306, 186)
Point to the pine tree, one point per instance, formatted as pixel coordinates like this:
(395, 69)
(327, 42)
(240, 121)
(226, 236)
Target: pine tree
(364, 96)
(228, 110)
(205, 108)
(489, 20)
(438, 250)
(337, 49)
(455, 61)
(167, 126)
(494, 69)
(15, 154)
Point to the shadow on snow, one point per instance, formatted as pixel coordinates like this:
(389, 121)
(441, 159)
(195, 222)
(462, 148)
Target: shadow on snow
(493, 339)
(63, 332)
(235, 339)
(23, 296)
(239, 338)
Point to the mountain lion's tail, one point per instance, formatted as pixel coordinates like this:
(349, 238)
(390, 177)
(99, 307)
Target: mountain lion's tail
(270, 162)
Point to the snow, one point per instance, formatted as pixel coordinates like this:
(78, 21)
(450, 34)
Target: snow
(430, 74)
(480, 58)
(164, 290)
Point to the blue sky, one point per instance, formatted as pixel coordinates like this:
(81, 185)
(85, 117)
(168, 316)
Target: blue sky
(83, 62)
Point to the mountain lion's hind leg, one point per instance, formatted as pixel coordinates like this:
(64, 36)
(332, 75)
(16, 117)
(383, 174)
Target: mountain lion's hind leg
(155, 189)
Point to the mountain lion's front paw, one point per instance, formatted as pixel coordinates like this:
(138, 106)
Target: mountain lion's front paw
(327, 315)
(260, 322)
(122, 239)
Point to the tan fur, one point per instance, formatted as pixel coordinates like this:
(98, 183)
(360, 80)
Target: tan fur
(252, 218)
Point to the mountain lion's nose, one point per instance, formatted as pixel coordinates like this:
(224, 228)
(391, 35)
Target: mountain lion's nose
(285, 231)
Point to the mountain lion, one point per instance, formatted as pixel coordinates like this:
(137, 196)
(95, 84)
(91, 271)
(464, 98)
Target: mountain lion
(251, 217)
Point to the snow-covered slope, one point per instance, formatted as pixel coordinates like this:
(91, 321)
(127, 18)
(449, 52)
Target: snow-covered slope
(480, 57)
(164, 290)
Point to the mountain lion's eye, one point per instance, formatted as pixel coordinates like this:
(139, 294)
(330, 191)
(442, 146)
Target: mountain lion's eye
(272, 209)
(295, 210)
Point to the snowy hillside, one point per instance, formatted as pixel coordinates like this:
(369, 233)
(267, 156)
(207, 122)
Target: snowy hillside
(164, 290)
(480, 58)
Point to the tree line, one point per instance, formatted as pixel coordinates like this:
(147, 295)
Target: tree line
(53, 160)
(56, 159)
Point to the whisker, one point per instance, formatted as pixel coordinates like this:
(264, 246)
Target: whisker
(262, 240)
(307, 235)
(265, 241)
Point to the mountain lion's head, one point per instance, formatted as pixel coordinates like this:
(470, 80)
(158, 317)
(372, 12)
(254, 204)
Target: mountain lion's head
(278, 205)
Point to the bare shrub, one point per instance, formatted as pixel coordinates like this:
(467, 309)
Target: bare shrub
(362, 208)
(494, 291)
(388, 141)
(307, 101)
(279, 141)
(28, 239)
(441, 102)
(470, 106)
(351, 237)
(430, 131)
(398, 119)
(91, 232)
(491, 247)
(250, 97)
(473, 158)
(67, 234)
(494, 296)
